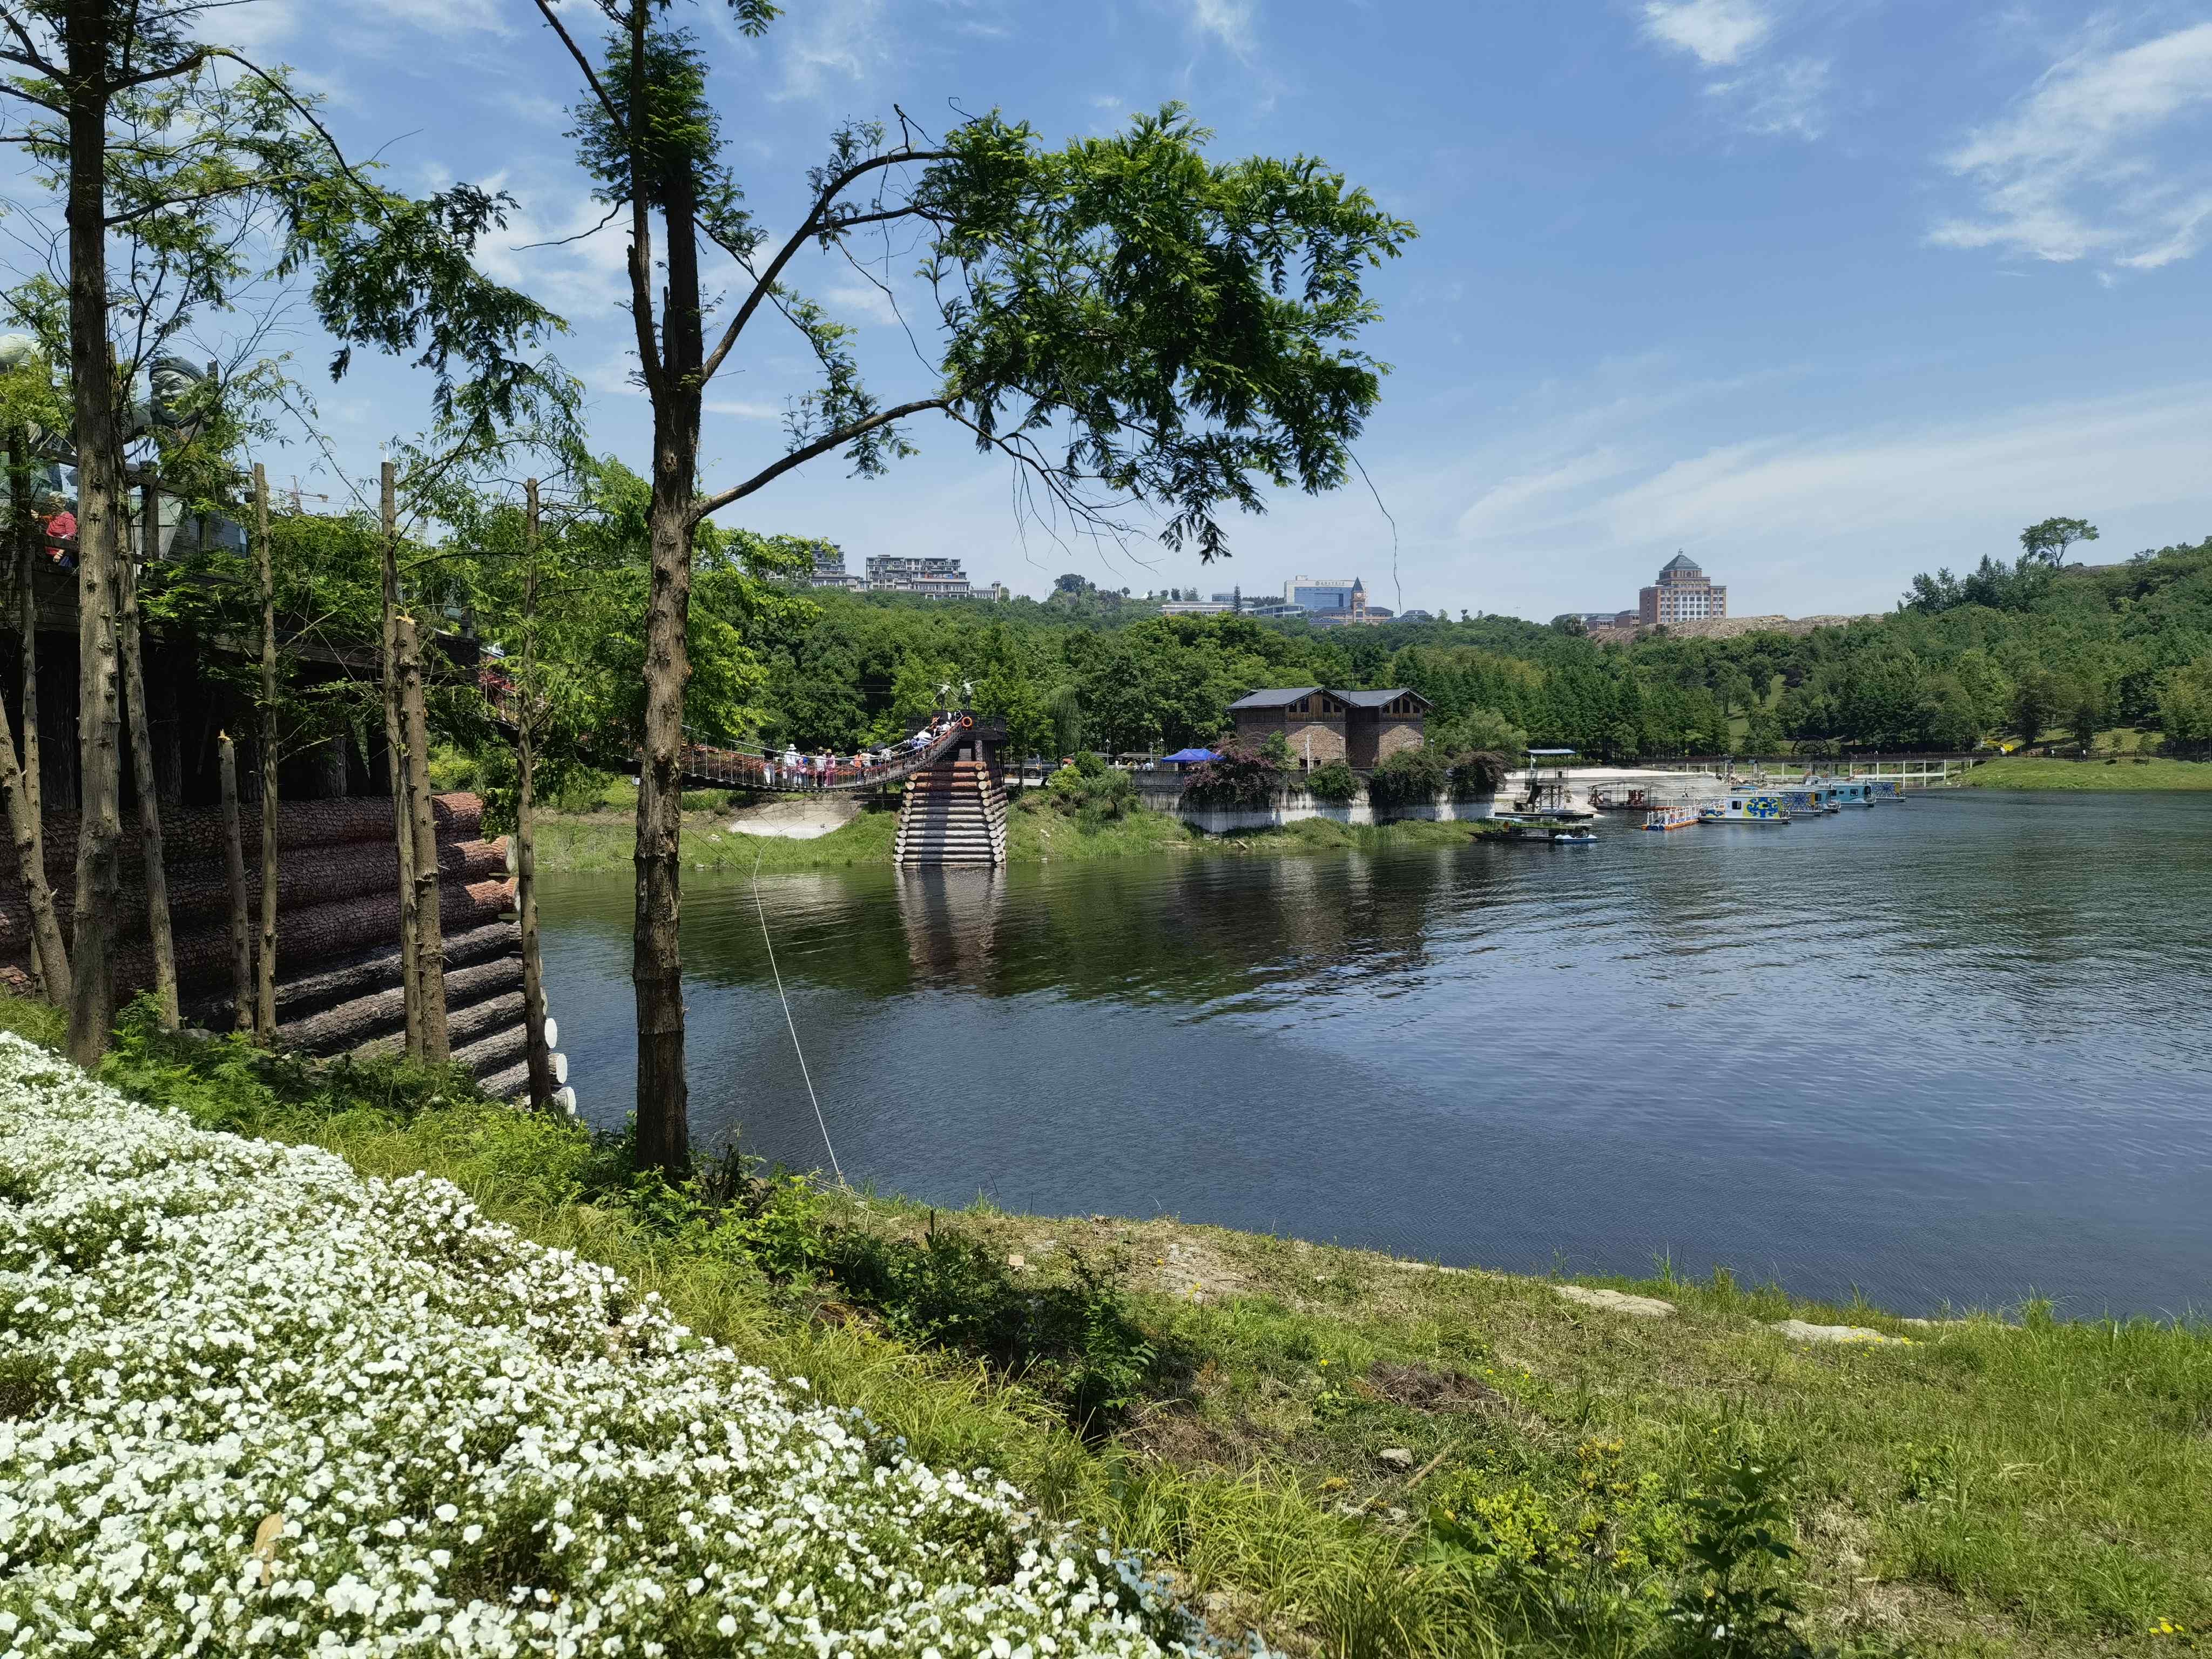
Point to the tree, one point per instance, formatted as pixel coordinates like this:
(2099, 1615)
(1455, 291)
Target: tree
(2047, 542)
(1123, 321)
(2184, 706)
(2037, 701)
(2083, 707)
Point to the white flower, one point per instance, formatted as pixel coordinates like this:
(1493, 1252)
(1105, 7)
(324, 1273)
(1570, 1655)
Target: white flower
(233, 1332)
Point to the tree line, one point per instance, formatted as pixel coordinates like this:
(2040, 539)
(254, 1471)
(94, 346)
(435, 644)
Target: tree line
(1140, 332)
(2032, 649)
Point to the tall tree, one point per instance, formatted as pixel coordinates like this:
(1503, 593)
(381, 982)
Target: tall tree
(1126, 322)
(2047, 542)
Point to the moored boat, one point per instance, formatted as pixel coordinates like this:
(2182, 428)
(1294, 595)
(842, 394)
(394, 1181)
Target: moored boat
(1681, 816)
(1763, 806)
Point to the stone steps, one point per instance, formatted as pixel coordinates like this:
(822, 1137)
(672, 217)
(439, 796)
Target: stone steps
(954, 812)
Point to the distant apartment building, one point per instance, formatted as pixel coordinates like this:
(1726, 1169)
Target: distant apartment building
(940, 578)
(830, 570)
(1683, 593)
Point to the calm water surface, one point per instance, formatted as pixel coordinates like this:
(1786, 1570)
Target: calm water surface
(1954, 1050)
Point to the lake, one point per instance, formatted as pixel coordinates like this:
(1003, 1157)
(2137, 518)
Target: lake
(1953, 1051)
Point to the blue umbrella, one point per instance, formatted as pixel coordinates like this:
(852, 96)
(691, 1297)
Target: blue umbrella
(1191, 756)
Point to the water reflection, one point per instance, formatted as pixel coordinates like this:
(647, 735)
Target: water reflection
(1949, 1049)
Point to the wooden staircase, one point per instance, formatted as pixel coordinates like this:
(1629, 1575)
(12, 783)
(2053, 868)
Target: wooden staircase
(955, 812)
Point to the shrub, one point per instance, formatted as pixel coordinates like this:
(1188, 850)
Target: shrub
(1077, 1344)
(1090, 792)
(1335, 783)
(1478, 775)
(1411, 777)
(1242, 777)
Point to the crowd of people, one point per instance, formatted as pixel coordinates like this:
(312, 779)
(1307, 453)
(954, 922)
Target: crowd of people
(795, 770)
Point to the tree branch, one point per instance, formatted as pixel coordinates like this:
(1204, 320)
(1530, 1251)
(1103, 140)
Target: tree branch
(591, 76)
(708, 505)
(300, 109)
(811, 227)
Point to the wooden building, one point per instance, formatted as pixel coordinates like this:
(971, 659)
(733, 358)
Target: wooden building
(337, 927)
(1365, 728)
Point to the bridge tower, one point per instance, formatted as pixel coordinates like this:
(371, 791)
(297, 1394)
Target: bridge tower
(955, 811)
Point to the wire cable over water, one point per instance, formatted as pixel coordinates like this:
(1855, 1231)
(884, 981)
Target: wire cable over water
(797, 1047)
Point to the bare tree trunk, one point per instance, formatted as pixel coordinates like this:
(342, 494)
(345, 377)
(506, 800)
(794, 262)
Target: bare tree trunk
(142, 761)
(233, 854)
(45, 926)
(664, 1134)
(539, 1052)
(429, 945)
(99, 515)
(27, 554)
(48, 950)
(395, 743)
(265, 1001)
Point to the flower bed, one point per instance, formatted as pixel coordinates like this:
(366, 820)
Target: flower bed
(250, 1401)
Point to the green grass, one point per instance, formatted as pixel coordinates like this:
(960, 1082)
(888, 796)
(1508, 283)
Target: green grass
(2018, 1486)
(2128, 772)
(606, 841)
(584, 842)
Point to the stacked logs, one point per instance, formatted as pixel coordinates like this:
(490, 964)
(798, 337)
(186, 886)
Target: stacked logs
(337, 926)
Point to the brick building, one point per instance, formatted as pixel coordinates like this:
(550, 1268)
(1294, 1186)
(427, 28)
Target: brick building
(1683, 593)
(1378, 724)
(1362, 727)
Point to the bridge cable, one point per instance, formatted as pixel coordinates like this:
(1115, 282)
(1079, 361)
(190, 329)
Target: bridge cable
(797, 1047)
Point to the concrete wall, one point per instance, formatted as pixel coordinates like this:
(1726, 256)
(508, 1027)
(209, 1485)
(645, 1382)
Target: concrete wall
(1298, 805)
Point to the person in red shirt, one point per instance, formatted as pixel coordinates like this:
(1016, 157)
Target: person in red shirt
(61, 532)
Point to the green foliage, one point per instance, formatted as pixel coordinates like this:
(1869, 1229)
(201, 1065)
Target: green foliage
(1242, 777)
(1479, 775)
(2185, 706)
(1191, 321)
(1480, 729)
(1077, 1343)
(1412, 777)
(1334, 782)
(1090, 792)
(2047, 542)
(1737, 1608)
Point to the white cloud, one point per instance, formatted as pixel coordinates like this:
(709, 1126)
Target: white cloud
(864, 299)
(1513, 504)
(1820, 492)
(2090, 162)
(1718, 33)
(1778, 97)
(743, 410)
(1228, 22)
(838, 40)
(1782, 99)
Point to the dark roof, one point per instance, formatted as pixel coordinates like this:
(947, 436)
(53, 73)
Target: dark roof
(1680, 561)
(1274, 699)
(1377, 699)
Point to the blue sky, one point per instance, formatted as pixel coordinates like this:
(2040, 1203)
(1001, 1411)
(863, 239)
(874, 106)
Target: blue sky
(1824, 292)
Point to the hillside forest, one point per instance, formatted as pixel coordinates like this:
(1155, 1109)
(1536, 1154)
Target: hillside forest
(2024, 652)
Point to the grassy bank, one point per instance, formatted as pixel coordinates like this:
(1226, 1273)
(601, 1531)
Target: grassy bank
(2122, 772)
(1361, 1456)
(605, 840)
